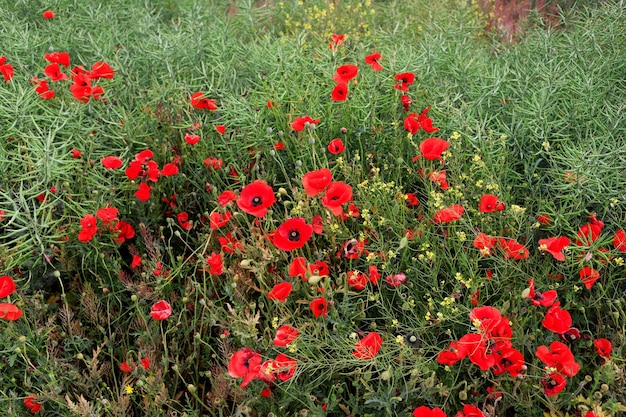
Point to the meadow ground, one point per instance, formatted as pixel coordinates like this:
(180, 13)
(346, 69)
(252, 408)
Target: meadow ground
(312, 208)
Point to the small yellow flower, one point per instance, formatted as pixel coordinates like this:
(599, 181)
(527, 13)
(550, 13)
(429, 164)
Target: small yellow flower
(129, 390)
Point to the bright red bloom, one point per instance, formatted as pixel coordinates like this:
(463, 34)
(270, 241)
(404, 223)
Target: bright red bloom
(553, 383)
(300, 122)
(256, 198)
(619, 240)
(136, 262)
(6, 69)
(229, 244)
(284, 366)
(368, 347)
(357, 280)
(588, 233)
(557, 320)
(280, 292)
(484, 243)
(191, 139)
(406, 103)
(124, 367)
(372, 61)
(111, 162)
(161, 310)
(217, 220)
(216, 263)
(298, 267)
(315, 182)
(143, 193)
(404, 79)
(89, 228)
(53, 71)
(221, 129)
(477, 351)
(318, 225)
(448, 214)
(9, 312)
(7, 286)
(424, 411)
(345, 73)
(411, 123)
(335, 41)
(284, 335)
(545, 299)
(439, 178)
(336, 146)
(144, 156)
(82, 89)
(513, 249)
(183, 220)
(490, 203)
(245, 363)
(198, 101)
(32, 405)
(485, 318)
(101, 70)
(48, 14)
(589, 276)
(62, 58)
(226, 197)
(470, 411)
(510, 360)
(411, 200)
(41, 88)
(279, 146)
(319, 307)
(145, 362)
(107, 214)
(340, 92)
(544, 219)
(169, 170)
(432, 148)
(292, 234)
(455, 352)
(603, 347)
(560, 357)
(554, 246)
(337, 194)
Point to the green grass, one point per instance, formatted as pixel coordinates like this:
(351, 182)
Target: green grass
(540, 123)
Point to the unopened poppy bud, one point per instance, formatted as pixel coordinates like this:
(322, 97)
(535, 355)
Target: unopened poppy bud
(526, 293)
(133, 297)
(269, 130)
(343, 130)
(403, 243)
(21, 339)
(56, 274)
(385, 376)
(191, 388)
(298, 163)
(282, 191)
(281, 133)
(245, 263)
(272, 152)
(80, 357)
(314, 279)
(202, 302)
(311, 141)
(462, 395)
(177, 233)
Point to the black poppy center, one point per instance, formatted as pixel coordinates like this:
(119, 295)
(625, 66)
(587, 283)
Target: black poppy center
(294, 235)
(257, 201)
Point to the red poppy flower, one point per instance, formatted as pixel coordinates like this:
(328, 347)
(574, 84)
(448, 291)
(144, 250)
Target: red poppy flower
(226, 197)
(6, 69)
(411, 124)
(432, 148)
(245, 363)
(554, 246)
(336, 146)
(256, 198)
(619, 240)
(485, 318)
(337, 194)
(411, 200)
(553, 383)
(510, 360)
(315, 182)
(111, 162)
(426, 122)
(217, 220)
(192, 139)
(545, 299)
(340, 92)
(7, 286)
(404, 79)
(395, 280)
(136, 262)
(560, 357)
(603, 347)
(544, 219)
(439, 178)
(300, 122)
(588, 233)
(284, 366)
(513, 249)
(221, 129)
(285, 335)
(32, 405)
(107, 214)
(9, 312)
(145, 362)
(41, 88)
(357, 280)
(81, 88)
(62, 58)
(101, 70)
(490, 203)
(478, 352)
(319, 307)
(183, 220)
(124, 367)
(557, 320)
(318, 225)
(216, 263)
(229, 244)
(424, 411)
(484, 243)
(89, 228)
(169, 170)
(448, 214)
(124, 232)
(335, 41)
(368, 347)
(143, 193)
(198, 101)
(279, 146)
(345, 73)
(292, 234)
(455, 352)
(470, 411)
(280, 292)
(589, 276)
(48, 14)
(161, 310)
(406, 103)
(53, 71)
(372, 61)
